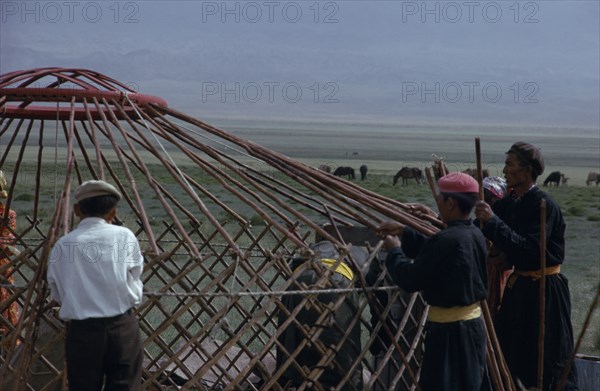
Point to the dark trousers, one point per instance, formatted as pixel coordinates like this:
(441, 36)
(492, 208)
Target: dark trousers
(454, 357)
(104, 347)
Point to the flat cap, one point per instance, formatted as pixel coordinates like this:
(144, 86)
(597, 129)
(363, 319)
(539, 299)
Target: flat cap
(94, 188)
(529, 155)
(458, 182)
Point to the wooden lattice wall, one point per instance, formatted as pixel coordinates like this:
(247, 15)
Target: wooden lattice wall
(220, 221)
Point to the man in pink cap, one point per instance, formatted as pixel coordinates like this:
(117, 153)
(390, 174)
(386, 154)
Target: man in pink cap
(449, 270)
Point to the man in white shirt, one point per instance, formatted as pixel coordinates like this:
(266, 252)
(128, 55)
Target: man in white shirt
(94, 273)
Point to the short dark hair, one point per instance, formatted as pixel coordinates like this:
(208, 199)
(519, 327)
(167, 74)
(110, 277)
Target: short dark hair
(98, 206)
(465, 201)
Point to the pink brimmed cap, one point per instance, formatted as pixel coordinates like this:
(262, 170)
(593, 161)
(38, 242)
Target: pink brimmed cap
(458, 182)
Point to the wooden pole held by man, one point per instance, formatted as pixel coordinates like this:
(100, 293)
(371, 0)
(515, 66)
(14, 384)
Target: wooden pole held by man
(498, 367)
(542, 329)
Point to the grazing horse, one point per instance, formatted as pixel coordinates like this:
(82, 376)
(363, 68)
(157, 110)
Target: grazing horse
(363, 172)
(592, 177)
(553, 177)
(343, 171)
(439, 168)
(407, 173)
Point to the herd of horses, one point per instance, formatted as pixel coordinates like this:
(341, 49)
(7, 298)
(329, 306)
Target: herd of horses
(407, 174)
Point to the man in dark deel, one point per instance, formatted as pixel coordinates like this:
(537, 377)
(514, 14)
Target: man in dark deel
(449, 269)
(513, 225)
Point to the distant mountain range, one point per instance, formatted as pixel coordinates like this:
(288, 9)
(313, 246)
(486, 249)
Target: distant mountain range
(367, 65)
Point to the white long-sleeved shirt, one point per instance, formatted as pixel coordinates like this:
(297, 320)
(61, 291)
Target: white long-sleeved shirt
(95, 270)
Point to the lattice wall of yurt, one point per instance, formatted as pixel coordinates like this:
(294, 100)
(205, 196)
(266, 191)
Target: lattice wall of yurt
(219, 219)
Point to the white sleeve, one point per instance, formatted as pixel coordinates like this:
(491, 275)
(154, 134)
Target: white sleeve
(51, 273)
(135, 267)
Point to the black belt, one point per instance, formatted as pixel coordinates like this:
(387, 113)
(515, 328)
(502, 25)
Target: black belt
(93, 321)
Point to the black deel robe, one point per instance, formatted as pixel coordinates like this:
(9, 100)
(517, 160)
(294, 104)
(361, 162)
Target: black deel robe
(515, 229)
(449, 269)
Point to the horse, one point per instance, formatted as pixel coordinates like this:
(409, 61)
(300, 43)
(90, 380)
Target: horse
(363, 172)
(553, 177)
(407, 173)
(592, 177)
(343, 171)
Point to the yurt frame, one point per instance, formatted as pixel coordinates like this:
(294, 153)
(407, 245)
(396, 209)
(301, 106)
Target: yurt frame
(219, 219)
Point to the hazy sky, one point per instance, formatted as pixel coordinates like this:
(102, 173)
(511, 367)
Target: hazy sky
(514, 62)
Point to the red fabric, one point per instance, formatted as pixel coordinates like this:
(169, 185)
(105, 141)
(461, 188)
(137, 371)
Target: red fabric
(11, 312)
(498, 271)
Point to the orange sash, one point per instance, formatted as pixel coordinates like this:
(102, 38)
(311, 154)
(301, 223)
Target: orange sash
(533, 274)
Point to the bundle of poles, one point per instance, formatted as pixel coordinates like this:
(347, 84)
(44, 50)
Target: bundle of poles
(497, 367)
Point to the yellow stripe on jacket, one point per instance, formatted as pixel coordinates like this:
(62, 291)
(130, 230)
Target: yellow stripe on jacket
(339, 267)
